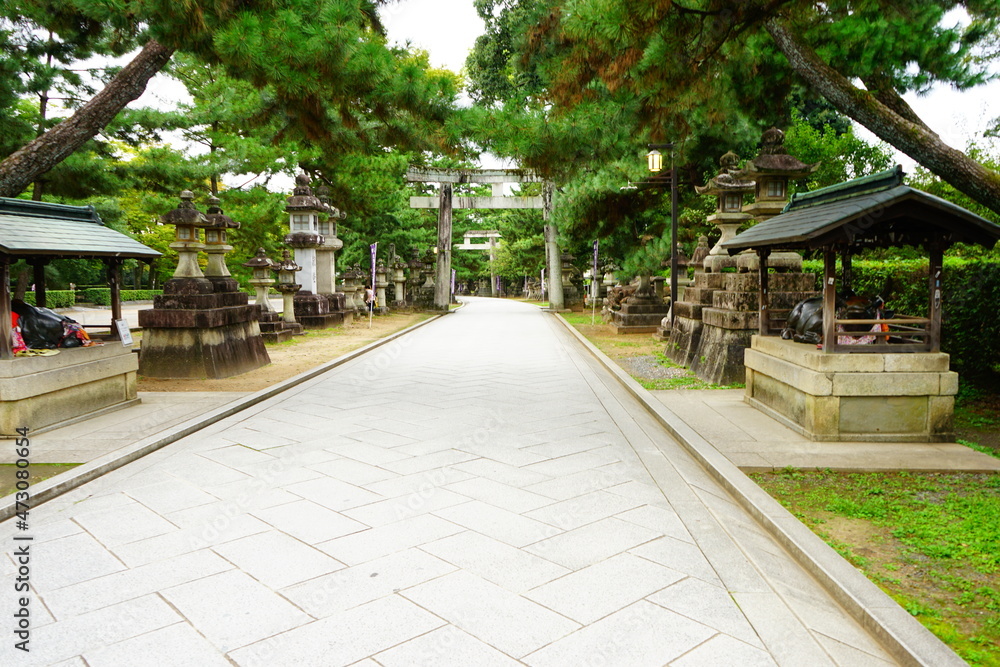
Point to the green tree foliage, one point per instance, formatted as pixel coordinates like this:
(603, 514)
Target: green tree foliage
(694, 65)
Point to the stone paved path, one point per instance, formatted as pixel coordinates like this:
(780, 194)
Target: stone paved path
(478, 493)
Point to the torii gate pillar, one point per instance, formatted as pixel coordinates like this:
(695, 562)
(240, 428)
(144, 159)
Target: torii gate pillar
(442, 284)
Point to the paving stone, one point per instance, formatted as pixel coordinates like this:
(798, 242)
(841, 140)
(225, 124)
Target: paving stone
(588, 544)
(514, 529)
(333, 493)
(90, 631)
(176, 645)
(582, 510)
(502, 619)
(70, 560)
(309, 522)
(233, 610)
(444, 647)
(724, 650)
(634, 636)
(360, 584)
(499, 563)
(341, 639)
(276, 559)
(124, 524)
(603, 588)
(133, 583)
(384, 540)
(708, 604)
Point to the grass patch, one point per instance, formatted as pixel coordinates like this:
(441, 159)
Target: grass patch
(621, 348)
(931, 541)
(38, 472)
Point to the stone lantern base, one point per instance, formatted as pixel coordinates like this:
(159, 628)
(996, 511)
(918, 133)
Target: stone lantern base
(194, 336)
(312, 311)
(273, 329)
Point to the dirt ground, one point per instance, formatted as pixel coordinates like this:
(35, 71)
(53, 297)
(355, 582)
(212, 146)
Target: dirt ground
(300, 354)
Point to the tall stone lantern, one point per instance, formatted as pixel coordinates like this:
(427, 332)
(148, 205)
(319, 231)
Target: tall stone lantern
(729, 187)
(216, 247)
(304, 209)
(326, 263)
(187, 220)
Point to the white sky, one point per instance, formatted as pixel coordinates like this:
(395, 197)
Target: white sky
(447, 30)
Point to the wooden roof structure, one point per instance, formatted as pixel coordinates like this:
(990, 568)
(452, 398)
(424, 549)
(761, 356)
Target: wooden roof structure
(42, 231)
(876, 211)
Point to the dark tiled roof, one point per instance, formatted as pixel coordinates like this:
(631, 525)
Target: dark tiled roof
(44, 229)
(875, 210)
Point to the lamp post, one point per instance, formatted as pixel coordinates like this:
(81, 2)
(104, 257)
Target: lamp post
(654, 160)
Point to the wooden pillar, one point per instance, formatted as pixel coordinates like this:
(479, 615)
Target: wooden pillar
(846, 271)
(6, 344)
(114, 282)
(442, 283)
(552, 254)
(829, 299)
(764, 325)
(38, 268)
(934, 285)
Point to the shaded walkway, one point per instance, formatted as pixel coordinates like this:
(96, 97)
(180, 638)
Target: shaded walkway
(480, 492)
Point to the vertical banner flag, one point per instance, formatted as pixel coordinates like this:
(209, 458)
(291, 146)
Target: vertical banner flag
(453, 274)
(497, 290)
(371, 306)
(595, 289)
(543, 284)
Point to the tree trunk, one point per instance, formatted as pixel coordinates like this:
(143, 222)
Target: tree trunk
(23, 167)
(913, 138)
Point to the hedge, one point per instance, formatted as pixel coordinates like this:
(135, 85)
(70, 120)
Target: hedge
(54, 298)
(970, 327)
(102, 295)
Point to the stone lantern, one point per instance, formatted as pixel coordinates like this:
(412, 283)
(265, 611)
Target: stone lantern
(216, 247)
(398, 266)
(729, 188)
(200, 326)
(416, 271)
(772, 170)
(570, 276)
(381, 282)
(286, 270)
(304, 209)
(262, 265)
(326, 263)
(360, 283)
(187, 220)
(699, 254)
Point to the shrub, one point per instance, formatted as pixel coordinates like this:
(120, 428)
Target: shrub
(102, 295)
(53, 298)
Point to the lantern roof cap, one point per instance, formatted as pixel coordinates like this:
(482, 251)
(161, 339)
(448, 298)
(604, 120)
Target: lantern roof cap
(185, 213)
(217, 218)
(260, 261)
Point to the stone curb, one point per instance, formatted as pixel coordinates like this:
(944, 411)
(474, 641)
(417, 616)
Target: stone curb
(902, 635)
(71, 479)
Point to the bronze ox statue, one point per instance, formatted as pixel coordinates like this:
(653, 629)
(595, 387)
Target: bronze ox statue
(805, 321)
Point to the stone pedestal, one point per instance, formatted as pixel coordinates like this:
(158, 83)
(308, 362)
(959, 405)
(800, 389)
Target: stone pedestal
(273, 329)
(685, 335)
(733, 319)
(200, 335)
(79, 382)
(852, 397)
(641, 312)
(312, 311)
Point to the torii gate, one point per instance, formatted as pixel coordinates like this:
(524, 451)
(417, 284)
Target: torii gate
(445, 202)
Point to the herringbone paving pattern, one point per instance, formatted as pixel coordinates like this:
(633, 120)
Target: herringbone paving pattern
(477, 493)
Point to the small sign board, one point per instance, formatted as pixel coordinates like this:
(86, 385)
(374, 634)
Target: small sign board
(124, 333)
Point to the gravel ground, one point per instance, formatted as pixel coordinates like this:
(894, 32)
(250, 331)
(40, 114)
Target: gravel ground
(647, 367)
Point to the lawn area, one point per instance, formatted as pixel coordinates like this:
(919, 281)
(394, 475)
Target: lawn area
(640, 355)
(931, 541)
